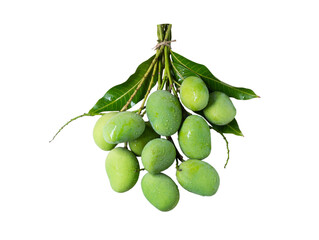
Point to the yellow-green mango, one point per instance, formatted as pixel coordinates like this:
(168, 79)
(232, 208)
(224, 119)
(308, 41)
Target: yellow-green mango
(194, 93)
(123, 127)
(158, 155)
(194, 137)
(122, 169)
(220, 109)
(198, 177)
(164, 112)
(138, 144)
(98, 132)
(160, 190)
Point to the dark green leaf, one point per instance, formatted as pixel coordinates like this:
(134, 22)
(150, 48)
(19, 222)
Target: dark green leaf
(180, 72)
(231, 127)
(115, 98)
(183, 68)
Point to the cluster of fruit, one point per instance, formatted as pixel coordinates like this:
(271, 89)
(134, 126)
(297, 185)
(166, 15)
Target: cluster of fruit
(166, 116)
(181, 84)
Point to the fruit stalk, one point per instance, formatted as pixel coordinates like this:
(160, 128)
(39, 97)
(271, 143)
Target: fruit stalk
(73, 119)
(227, 147)
(167, 70)
(160, 36)
(179, 156)
(148, 89)
(158, 53)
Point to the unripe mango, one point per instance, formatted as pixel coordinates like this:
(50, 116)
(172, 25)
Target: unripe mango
(123, 127)
(160, 190)
(98, 132)
(194, 137)
(138, 144)
(164, 112)
(198, 177)
(122, 169)
(220, 109)
(158, 155)
(194, 93)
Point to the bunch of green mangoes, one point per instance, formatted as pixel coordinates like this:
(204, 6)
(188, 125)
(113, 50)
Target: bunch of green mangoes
(151, 142)
(171, 126)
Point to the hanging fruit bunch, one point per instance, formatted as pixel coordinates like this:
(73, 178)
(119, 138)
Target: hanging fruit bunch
(189, 101)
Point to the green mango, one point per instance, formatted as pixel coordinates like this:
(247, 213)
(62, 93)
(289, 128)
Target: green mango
(123, 127)
(194, 93)
(220, 109)
(194, 137)
(122, 169)
(160, 190)
(164, 112)
(98, 132)
(158, 155)
(198, 177)
(138, 144)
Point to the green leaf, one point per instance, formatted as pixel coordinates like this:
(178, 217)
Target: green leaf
(231, 127)
(183, 68)
(115, 98)
(180, 72)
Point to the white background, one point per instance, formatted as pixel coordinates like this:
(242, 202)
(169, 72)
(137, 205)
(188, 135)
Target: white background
(57, 58)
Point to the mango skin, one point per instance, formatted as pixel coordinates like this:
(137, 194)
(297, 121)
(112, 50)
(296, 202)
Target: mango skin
(194, 93)
(220, 109)
(122, 169)
(158, 155)
(98, 132)
(160, 190)
(138, 144)
(164, 112)
(194, 137)
(198, 177)
(123, 127)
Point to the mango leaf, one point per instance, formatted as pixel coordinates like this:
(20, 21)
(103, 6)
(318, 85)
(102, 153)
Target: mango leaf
(180, 72)
(183, 68)
(231, 127)
(115, 98)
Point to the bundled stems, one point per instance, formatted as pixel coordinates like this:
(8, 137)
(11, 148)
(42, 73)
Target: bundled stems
(143, 79)
(157, 55)
(160, 72)
(148, 89)
(167, 70)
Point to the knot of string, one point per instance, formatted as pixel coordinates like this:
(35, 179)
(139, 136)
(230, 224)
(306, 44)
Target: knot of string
(165, 43)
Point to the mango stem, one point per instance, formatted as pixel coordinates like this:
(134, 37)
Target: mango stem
(148, 89)
(227, 146)
(178, 155)
(84, 114)
(158, 53)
